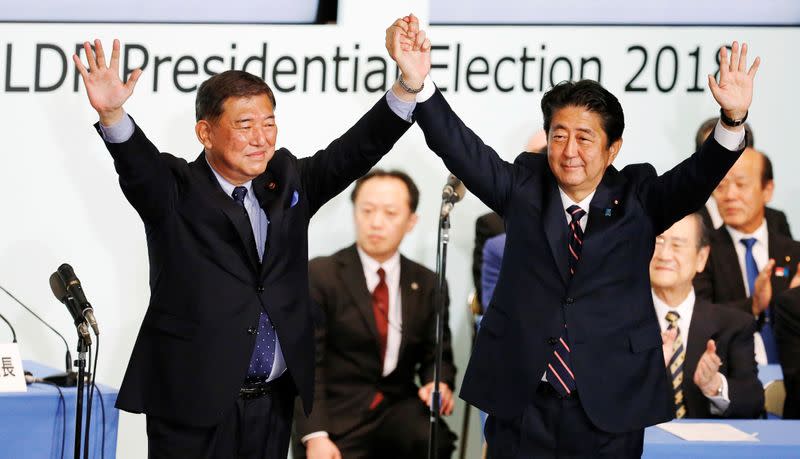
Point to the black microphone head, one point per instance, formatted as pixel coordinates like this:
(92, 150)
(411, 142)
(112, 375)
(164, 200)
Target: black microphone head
(67, 274)
(58, 287)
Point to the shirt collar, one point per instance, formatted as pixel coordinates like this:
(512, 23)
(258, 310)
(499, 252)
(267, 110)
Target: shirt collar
(566, 201)
(760, 234)
(684, 309)
(370, 264)
(227, 186)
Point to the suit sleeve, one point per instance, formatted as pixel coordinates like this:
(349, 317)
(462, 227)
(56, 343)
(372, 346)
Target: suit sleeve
(686, 187)
(744, 388)
(317, 421)
(480, 168)
(144, 176)
(448, 373)
(787, 335)
(492, 259)
(329, 171)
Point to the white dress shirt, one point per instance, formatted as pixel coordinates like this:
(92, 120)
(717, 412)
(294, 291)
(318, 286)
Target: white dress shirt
(718, 403)
(392, 269)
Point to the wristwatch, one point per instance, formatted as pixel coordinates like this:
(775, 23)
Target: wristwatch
(731, 122)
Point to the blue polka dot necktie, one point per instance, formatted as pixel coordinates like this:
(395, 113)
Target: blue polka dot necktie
(264, 352)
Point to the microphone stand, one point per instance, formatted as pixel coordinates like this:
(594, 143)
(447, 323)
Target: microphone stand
(83, 347)
(441, 265)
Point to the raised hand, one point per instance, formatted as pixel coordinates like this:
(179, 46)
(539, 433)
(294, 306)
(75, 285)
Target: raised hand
(706, 376)
(734, 91)
(107, 93)
(763, 289)
(409, 47)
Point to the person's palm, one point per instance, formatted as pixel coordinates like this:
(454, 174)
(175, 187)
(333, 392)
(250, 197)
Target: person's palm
(106, 91)
(734, 92)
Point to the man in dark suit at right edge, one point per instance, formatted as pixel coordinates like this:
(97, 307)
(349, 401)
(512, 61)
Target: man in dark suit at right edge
(568, 360)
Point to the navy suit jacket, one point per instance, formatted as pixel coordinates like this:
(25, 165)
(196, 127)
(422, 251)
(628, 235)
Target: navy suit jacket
(207, 286)
(607, 305)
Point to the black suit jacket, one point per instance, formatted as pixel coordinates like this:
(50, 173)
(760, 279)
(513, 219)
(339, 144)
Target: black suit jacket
(721, 281)
(787, 335)
(776, 221)
(732, 332)
(206, 283)
(349, 367)
(486, 227)
(608, 306)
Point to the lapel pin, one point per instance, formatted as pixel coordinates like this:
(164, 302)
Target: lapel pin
(271, 185)
(414, 286)
(607, 212)
(616, 201)
(788, 258)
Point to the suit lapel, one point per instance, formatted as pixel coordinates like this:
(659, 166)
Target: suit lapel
(274, 191)
(727, 262)
(356, 285)
(233, 211)
(781, 252)
(555, 225)
(701, 329)
(409, 299)
(604, 211)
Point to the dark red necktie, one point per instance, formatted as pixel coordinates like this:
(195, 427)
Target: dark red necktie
(380, 307)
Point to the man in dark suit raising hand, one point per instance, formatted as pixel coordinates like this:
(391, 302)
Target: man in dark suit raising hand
(227, 341)
(568, 361)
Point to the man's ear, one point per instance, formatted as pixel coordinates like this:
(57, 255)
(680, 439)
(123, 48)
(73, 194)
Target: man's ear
(702, 258)
(412, 222)
(203, 131)
(768, 190)
(613, 151)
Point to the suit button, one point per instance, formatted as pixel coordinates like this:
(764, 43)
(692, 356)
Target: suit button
(552, 341)
(260, 289)
(251, 331)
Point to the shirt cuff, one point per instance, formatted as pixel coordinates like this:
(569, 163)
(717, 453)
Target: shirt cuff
(318, 434)
(720, 403)
(428, 88)
(401, 108)
(119, 132)
(732, 140)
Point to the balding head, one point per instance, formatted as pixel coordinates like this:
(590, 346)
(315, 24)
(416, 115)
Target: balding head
(745, 191)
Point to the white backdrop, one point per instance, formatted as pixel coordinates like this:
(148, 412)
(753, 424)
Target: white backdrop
(61, 202)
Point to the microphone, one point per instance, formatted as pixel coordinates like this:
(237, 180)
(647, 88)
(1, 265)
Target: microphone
(73, 286)
(13, 332)
(454, 191)
(69, 377)
(60, 291)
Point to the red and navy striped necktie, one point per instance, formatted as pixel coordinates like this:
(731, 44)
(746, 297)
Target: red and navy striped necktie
(559, 366)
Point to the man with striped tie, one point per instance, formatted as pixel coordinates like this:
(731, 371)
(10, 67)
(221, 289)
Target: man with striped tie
(568, 360)
(708, 349)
